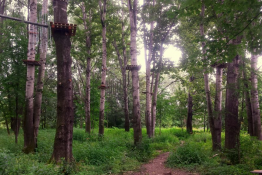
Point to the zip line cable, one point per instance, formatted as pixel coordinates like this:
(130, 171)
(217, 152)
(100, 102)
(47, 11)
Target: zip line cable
(20, 20)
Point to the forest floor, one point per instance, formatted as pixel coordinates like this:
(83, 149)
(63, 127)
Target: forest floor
(157, 167)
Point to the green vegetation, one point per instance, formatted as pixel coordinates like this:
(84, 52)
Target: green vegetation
(115, 153)
(196, 155)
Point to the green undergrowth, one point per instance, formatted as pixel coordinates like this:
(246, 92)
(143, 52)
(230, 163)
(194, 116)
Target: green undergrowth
(196, 155)
(113, 153)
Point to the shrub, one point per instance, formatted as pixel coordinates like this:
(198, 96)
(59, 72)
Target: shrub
(240, 169)
(164, 141)
(23, 164)
(179, 133)
(142, 152)
(191, 153)
(201, 137)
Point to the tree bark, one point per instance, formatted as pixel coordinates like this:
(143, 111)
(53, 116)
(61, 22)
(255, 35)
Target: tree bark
(123, 71)
(127, 125)
(148, 91)
(232, 126)
(189, 126)
(29, 140)
(41, 73)
(2, 8)
(154, 99)
(64, 126)
(248, 103)
(206, 79)
(123, 64)
(17, 121)
(88, 69)
(154, 102)
(103, 75)
(216, 138)
(135, 75)
(255, 99)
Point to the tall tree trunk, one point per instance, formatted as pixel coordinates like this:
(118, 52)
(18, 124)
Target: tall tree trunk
(154, 99)
(17, 120)
(41, 73)
(103, 76)
(157, 78)
(206, 80)
(29, 141)
(216, 138)
(123, 71)
(127, 125)
(189, 126)
(248, 103)
(232, 126)
(88, 68)
(255, 99)
(148, 91)
(135, 75)
(154, 102)
(64, 126)
(123, 64)
(2, 10)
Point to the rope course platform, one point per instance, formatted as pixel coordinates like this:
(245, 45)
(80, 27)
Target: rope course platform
(219, 65)
(133, 67)
(68, 29)
(102, 86)
(32, 62)
(148, 92)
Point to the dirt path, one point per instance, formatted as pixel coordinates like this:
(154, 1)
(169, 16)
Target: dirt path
(157, 167)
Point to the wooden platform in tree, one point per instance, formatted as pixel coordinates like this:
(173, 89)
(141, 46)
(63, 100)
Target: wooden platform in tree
(67, 29)
(102, 86)
(219, 65)
(133, 67)
(147, 92)
(32, 62)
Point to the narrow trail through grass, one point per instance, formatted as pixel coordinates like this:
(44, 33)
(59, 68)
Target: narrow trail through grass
(157, 167)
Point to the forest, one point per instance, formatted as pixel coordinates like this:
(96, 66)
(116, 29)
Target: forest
(87, 87)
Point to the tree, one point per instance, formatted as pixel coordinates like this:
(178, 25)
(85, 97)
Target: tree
(41, 73)
(248, 102)
(64, 126)
(217, 119)
(254, 99)
(189, 126)
(164, 25)
(29, 140)
(88, 65)
(135, 76)
(123, 64)
(232, 127)
(103, 75)
(148, 61)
